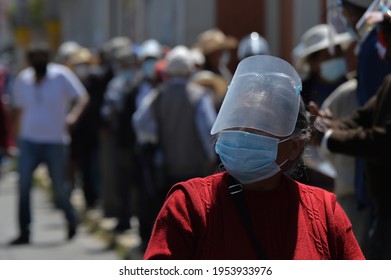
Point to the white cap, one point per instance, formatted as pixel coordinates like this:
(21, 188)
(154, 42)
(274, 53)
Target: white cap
(150, 48)
(179, 61)
(264, 95)
(66, 49)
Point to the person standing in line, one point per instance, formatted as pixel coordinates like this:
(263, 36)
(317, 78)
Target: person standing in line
(101, 76)
(216, 46)
(322, 71)
(184, 113)
(176, 119)
(118, 107)
(85, 135)
(48, 100)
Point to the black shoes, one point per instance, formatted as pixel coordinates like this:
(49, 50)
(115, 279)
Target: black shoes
(71, 230)
(20, 240)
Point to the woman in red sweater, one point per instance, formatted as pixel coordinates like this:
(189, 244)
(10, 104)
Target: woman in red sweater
(253, 210)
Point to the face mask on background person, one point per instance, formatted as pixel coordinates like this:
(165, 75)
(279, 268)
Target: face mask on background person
(247, 156)
(333, 69)
(148, 68)
(128, 74)
(81, 71)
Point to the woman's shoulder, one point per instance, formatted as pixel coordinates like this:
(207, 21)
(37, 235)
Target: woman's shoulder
(315, 195)
(204, 188)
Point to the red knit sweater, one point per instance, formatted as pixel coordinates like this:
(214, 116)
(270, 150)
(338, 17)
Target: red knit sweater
(199, 220)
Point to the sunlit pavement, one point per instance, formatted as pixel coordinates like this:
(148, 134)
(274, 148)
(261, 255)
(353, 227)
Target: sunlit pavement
(48, 237)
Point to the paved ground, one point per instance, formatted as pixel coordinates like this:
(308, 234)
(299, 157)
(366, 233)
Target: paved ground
(48, 230)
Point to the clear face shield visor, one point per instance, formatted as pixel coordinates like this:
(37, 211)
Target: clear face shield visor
(372, 15)
(264, 95)
(335, 18)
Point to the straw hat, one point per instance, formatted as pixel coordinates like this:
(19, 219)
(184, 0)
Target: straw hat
(318, 38)
(82, 55)
(213, 40)
(211, 80)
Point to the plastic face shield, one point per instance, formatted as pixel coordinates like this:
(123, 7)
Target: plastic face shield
(264, 95)
(336, 19)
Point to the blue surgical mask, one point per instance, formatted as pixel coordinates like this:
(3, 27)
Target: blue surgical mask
(333, 70)
(128, 74)
(248, 157)
(148, 68)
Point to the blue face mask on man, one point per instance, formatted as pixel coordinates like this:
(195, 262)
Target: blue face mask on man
(148, 68)
(333, 69)
(248, 157)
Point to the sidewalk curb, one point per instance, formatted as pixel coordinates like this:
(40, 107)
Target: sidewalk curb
(126, 244)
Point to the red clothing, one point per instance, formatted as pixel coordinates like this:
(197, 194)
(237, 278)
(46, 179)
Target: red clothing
(199, 220)
(5, 137)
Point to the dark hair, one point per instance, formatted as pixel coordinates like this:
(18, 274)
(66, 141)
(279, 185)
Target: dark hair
(302, 131)
(37, 48)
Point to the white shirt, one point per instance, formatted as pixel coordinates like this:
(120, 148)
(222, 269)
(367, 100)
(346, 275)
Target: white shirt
(46, 104)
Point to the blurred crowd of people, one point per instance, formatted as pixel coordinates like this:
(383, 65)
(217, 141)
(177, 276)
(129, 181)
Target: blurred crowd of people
(127, 123)
(108, 123)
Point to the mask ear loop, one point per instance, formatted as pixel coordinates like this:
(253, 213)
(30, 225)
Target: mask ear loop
(282, 141)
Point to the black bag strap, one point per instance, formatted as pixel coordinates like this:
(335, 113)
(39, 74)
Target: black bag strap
(236, 191)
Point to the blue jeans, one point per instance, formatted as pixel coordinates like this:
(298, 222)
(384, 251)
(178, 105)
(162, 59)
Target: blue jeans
(55, 156)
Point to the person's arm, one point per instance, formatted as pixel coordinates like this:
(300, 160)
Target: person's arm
(369, 140)
(16, 116)
(78, 94)
(179, 223)
(77, 109)
(356, 135)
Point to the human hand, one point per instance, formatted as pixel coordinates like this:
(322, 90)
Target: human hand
(70, 122)
(314, 109)
(374, 17)
(318, 129)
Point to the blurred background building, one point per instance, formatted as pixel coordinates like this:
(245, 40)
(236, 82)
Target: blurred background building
(172, 22)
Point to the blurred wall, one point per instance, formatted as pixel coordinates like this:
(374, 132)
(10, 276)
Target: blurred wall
(92, 22)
